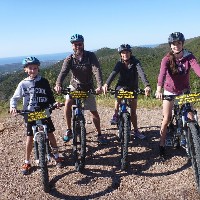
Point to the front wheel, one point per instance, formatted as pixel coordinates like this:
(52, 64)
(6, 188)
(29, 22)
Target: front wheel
(193, 138)
(125, 137)
(40, 138)
(79, 145)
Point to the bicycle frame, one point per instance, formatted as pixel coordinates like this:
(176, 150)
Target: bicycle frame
(42, 148)
(184, 128)
(180, 120)
(124, 122)
(79, 131)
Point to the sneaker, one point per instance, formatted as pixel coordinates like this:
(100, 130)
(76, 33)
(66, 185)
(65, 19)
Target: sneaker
(68, 135)
(60, 162)
(114, 120)
(139, 135)
(26, 169)
(102, 140)
(162, 152)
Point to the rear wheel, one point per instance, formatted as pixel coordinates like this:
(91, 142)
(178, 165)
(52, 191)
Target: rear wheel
(193, 138)
(40, 138)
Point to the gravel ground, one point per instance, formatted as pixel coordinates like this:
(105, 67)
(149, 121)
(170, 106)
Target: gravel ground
(146, 178)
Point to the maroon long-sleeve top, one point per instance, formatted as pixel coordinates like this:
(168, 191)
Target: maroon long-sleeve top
(176, 83)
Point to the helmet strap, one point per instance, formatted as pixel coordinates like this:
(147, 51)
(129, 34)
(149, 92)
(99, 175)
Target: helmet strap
(178, 52)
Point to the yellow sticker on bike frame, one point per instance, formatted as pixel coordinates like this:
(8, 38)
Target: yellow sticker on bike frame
(125, 94)
(187, 98)
(37, 115)
(79, 94)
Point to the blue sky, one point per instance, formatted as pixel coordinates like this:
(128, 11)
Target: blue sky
(32, 27)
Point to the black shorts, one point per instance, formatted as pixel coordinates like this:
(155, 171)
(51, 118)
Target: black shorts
(48, 122)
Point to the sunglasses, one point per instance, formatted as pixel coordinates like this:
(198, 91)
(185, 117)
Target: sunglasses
(78, 44)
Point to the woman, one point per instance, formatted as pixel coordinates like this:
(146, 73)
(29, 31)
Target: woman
(174, 79)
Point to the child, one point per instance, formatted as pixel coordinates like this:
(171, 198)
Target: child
(174, 79)
(36, 92)
(129, 69)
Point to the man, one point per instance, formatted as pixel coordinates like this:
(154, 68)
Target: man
(83, 65)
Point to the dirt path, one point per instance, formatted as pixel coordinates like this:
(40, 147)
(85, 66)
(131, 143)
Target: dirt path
(146, 178)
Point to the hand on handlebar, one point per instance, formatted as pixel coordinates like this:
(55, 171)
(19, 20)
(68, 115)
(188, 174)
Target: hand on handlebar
(13, 111)
(147, 91)
(159, 95)
(58, 104)
(99, 90)
(58, 89)
(105, 88)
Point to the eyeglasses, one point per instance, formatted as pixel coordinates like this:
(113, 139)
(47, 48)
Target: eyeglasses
(78, 44)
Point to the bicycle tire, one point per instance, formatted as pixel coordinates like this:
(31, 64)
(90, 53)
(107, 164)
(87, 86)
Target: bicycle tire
(125, 140)
(79, 144)
(194, 150)
(40, 138)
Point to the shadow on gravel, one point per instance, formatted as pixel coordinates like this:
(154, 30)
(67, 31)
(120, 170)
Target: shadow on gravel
(109, 155)
(90, 176)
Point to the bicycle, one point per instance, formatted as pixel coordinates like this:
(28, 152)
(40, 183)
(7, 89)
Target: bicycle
(42, 149)
(78, 127)
(124, 121)
(184, 132)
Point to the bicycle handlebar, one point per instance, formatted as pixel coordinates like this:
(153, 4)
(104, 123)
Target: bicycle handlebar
(50, 108)
(138, 91)
(68, 91)
(183, 98)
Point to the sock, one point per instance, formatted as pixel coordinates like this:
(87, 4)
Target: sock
(27, 161)
(56, 155)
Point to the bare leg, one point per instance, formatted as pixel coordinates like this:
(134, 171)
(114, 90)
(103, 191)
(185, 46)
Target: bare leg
(29, 147)
(167, 113)
(68, 112)
(134, 114)
(116, 107)
(96, 121)
(52, 140)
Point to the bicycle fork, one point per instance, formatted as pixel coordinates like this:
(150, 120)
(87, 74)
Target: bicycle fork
(41, 129)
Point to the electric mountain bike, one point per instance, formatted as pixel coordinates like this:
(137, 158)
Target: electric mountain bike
(42, 149)
(185, 132)
(124, 121)
(78, 127)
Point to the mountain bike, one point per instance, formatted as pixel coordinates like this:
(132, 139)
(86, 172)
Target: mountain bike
(78, 127)
(185, 132)
(124, 121)
(42, 149)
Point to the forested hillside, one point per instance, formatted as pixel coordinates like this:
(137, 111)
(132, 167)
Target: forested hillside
(149, 57)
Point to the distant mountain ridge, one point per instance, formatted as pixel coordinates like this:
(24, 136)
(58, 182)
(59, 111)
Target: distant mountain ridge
(150, 59)
(48, 57)
(43, 58)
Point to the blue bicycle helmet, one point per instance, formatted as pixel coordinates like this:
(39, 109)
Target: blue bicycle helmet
(30, 61)
(76, 38)
(176, 36)
(124, 47)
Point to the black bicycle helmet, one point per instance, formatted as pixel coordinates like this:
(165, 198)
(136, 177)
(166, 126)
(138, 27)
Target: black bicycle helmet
(30, 61)
(124, 47)
(176, 36)
(76, 38)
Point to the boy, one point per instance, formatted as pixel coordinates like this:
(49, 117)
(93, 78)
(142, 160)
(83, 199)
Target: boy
(36, 92)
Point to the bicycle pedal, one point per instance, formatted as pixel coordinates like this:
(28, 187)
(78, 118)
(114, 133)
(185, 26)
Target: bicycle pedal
(168, 143)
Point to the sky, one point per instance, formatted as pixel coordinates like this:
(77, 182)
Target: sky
(34, 27)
